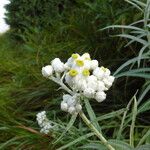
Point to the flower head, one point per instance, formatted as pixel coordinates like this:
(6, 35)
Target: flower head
(43, 122)
(82, 77)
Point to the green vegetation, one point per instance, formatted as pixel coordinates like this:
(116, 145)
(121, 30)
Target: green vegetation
(75, 26)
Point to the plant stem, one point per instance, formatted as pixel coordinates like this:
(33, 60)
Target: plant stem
(97, 133)
(62, 85)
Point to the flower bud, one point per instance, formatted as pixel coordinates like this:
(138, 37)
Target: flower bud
(58, 65)
(94, 64)
(106, 71)
(86, 56)
(100, 96)
(78, 107)
(47, 71)
(89, 92)
(72, 110)
(66, 97)
(64, 106)
(99, 73)
(100, 86)
(92, 82)
(107, 83)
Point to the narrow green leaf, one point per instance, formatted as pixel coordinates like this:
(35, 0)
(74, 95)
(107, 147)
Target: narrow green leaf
(120, 145)
(139, 3)
(110, 115)
(84, 137)
(123, 118)
(143, 147)
(9, 142)
(123, 26)
(135, 5)
(94, 146)
(146, 90)
(144, 107)
(133, 38)
(147, 134)
(92, 114)
(131, 61)
(70, 124)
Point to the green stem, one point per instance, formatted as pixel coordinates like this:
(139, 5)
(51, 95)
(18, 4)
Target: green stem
(97, 133)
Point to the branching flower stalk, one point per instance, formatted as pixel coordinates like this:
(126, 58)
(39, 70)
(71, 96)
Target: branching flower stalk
(82, 78)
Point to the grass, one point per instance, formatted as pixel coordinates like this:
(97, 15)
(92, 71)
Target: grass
(123, 117)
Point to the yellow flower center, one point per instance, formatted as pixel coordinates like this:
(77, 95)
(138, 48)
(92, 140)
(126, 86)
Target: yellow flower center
(73, 72)
(86, 72)
(80, 63)
(74, 56)
(104, 69)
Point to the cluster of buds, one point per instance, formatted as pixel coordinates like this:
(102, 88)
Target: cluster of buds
(82, 76)
(71, 104)
(43, 122)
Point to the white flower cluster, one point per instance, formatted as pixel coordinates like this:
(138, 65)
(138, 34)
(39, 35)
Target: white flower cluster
(83, 76)
(43, 122)
(71, 104)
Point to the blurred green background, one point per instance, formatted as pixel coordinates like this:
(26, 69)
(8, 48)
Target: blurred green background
(44, 29)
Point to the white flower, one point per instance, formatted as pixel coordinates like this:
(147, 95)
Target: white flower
(43, 122)
(82, 77)
(47, 71)
(89, 92)
(94, 64)
(58, 65)
(100, 86)
(100, 96)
